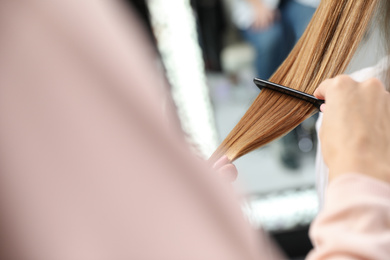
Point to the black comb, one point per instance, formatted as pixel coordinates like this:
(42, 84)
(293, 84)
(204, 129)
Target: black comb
(260, 83)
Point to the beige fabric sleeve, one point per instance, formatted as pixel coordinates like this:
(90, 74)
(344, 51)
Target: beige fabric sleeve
(355, 220)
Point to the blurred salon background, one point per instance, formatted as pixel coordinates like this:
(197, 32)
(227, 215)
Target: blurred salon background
(210, 51)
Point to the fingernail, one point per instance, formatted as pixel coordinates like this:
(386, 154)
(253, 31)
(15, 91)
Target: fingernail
(322, 108)
(221, 162)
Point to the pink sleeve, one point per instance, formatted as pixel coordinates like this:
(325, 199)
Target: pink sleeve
(355, 221)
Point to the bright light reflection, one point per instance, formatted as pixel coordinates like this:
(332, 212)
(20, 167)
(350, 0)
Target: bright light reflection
(174, 27)
(283, 211)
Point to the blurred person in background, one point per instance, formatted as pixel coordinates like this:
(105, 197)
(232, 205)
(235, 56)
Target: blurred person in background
(210, 19)
(273, 27)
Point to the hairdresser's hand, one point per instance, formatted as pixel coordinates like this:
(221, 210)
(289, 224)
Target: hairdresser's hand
(355, 132)
(226, 169)
(264, 16)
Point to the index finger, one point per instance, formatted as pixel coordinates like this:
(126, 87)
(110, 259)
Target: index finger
(321, 91)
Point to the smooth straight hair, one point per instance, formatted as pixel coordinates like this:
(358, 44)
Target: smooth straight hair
(324, 51)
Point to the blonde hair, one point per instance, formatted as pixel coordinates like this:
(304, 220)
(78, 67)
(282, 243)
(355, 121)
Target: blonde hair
(324, 51)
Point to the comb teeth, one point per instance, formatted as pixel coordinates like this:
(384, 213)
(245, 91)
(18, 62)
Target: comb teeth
(260, 83)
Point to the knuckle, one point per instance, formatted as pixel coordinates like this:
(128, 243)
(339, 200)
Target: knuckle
(341, 84)
(325, 83)
(343, 80)
(373, 83)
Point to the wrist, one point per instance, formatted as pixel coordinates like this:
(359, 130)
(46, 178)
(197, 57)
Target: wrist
(370, 167)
